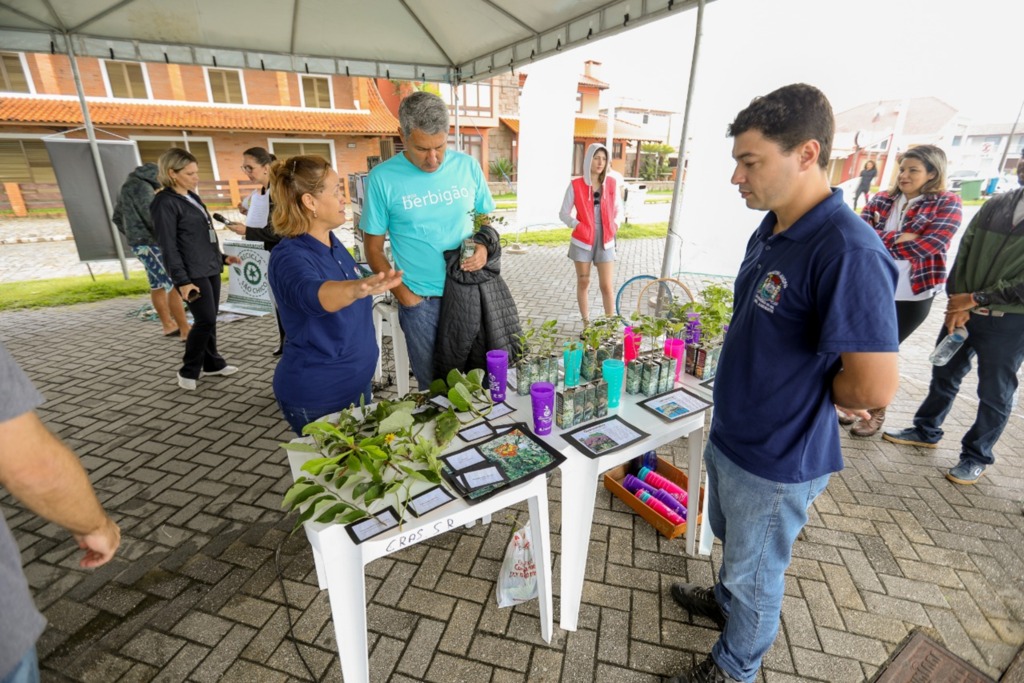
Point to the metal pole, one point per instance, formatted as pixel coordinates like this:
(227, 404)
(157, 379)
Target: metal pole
(1009, 141)
(674, 241)
(97, 161)
(458, 135)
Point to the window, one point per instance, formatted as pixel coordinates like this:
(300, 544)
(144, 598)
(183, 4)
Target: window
(25, 161)
(283, 150)
(579, 102)
(647, 118)
(578, 153)
(12, 73)
(316, 92)
(473, 145)
(474, 99)
(126, 80)
(957, 139)
(150, 150)
(225, 86)
(616, 150)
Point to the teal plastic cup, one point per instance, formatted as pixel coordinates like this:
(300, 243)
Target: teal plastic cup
(613, 371)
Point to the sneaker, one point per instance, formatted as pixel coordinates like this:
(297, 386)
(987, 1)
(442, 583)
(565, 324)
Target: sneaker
(186, 383)
(705, 672)
(225, 371)
(699, 601)
(909, 437)
(966, 473)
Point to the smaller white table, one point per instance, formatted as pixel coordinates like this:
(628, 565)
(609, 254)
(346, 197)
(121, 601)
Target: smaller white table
(340, 562)
(385, 324)
(580, 482)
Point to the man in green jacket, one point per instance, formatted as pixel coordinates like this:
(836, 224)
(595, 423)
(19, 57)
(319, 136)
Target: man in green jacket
(986, 295)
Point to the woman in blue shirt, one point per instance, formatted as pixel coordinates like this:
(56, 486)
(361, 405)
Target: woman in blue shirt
(330, 350)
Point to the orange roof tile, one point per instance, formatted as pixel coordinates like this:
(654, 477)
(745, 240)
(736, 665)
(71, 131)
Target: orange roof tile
(597, 128)
(137, 114)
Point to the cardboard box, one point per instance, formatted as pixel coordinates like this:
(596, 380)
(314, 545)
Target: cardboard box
(613, 482)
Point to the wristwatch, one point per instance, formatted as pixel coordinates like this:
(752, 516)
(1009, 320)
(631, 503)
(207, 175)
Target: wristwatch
(982, 298)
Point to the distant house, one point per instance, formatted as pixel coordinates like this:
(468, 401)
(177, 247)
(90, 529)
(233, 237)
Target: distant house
(867, 131)
(591, 126)
(215, 112)
(983, 145)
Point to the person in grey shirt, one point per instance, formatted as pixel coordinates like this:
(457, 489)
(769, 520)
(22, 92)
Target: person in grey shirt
(46, 477)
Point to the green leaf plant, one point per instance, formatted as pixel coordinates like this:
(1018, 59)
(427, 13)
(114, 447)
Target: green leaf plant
(714, 304)
(366, 455)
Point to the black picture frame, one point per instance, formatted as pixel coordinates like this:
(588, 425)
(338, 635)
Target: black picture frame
(350, 528)
(587, 446)
(684, 412)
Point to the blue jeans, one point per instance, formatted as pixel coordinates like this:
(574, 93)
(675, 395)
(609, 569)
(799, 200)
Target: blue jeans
(757, 521)
(999, 345)
(419, 324)
(25, 671)
(300, 416)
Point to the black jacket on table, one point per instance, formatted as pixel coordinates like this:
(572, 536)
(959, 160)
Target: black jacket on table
(478, 313)
(183, 232)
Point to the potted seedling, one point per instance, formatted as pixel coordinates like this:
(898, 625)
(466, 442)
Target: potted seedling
(594, 336)
(714, 306)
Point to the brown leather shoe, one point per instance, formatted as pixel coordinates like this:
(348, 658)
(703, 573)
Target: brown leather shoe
(871, 426)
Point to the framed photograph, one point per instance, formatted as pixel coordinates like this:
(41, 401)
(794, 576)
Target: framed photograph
(430, 499)
(674, 405)
(604, 436)
(516, 452)
(365, 529)
(478, 476)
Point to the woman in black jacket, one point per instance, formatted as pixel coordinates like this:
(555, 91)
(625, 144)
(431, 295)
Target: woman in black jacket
(193, 259)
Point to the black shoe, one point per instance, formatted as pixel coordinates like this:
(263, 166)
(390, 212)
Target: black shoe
(705, 672)
(699, 601)
(279, 350)
(909, 437)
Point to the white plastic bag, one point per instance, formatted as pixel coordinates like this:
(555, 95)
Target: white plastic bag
(518, 579)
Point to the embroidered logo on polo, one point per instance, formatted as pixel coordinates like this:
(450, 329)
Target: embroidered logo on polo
(770, 291)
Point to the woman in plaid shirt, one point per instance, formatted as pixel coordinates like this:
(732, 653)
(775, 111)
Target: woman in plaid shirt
(916, 219)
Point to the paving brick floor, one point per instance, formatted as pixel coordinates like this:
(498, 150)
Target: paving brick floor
(195, 481)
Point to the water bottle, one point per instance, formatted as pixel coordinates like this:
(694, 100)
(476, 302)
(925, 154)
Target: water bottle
(948, 346)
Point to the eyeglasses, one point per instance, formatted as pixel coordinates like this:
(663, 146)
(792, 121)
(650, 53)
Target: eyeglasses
(248, 169)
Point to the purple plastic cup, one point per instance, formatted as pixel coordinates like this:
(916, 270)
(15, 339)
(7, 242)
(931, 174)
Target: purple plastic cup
(497, 373)
(632, 484)
(542, 396)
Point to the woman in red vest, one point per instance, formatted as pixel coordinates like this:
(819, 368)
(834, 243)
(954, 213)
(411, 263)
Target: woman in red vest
(595, 198)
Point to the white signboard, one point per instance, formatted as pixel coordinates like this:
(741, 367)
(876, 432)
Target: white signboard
(248, 287)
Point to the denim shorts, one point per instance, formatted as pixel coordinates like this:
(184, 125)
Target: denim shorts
(154, 265)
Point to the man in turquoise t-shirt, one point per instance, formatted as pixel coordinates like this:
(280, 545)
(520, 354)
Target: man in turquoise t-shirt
(423, 198)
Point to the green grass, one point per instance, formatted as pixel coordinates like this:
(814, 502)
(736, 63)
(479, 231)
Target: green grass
(503, 196)
(70, 290)
(557, 236)
(79, 289)
(82, 289)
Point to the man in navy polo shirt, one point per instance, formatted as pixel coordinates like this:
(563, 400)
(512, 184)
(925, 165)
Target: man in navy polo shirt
(814, 325)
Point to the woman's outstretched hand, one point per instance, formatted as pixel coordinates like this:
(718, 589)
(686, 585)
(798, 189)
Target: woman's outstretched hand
(378, 283)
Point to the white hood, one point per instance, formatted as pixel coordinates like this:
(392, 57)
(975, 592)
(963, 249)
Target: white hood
(589, 158)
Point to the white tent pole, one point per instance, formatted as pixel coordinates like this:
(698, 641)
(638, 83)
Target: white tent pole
(458, 135)
(97, 161)
(673, 241)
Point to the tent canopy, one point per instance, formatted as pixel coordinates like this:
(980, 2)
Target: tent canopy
(426, 40)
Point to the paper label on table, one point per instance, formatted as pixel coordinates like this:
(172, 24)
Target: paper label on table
(366, 529)
(441, 401)
(429, 500)
(500, 410)
(463, 459)
(476, 432)
(489, 474)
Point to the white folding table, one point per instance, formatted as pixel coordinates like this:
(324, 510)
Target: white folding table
(340, 562)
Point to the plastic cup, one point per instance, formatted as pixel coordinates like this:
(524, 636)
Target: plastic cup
(675, 348)
(542, 396)
(630, 345)
(613, 371)
(572, 359)
(497, 373)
